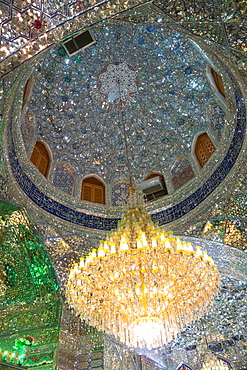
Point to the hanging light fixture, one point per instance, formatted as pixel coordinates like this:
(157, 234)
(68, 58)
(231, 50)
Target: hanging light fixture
(142, 285)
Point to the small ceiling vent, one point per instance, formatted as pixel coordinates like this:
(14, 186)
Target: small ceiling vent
(74, 44)
(151, 186)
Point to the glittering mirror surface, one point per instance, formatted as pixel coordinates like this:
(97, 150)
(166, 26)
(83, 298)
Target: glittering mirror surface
(150, 82)
(138, 96)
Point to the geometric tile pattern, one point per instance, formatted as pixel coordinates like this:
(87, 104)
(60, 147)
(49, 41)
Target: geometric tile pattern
(85, 361)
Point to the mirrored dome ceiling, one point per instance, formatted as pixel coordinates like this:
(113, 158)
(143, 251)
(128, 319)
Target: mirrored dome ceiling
(137, 96)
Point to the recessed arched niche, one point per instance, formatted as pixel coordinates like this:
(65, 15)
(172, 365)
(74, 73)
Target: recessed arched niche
(184, 366)
(218, 81)
(153, 186)
(120, 192)
(93, 190)
(204, 148)
(64, 178)
(41, 157)
(225, 362)
(181, 172)
(217, 84)
(27, 91)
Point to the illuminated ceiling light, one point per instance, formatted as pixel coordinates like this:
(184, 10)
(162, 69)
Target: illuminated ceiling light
(143, 285)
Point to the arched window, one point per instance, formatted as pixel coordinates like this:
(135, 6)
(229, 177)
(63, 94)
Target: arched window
(154, 189)
(64, 178)
(93, 190)
(204, 148)
(218, 81)
(27, 91)
(28, 129)
(184, 367)
(181, 173)
(225, 362)
(41, 158)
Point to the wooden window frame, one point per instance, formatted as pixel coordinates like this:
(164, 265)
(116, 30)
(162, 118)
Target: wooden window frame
(201, 145)
(94, 187)
(218, 82)
(41, 158)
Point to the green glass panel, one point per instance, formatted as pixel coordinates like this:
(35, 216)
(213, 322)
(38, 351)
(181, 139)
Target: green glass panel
(30, 302)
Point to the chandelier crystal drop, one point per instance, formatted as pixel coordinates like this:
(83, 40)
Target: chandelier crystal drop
(142, 285)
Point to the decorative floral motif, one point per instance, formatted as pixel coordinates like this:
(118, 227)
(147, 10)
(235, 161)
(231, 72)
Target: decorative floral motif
(118, 83)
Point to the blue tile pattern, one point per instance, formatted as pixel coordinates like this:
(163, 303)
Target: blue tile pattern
(163, 217)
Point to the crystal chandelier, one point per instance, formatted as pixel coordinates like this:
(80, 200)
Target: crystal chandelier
(142, 285)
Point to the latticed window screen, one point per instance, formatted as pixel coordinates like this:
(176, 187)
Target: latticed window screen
(93, 190)
(204, 148)
(218, 82)
(40, 158)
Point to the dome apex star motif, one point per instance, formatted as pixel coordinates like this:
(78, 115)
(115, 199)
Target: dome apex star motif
(118, 83)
